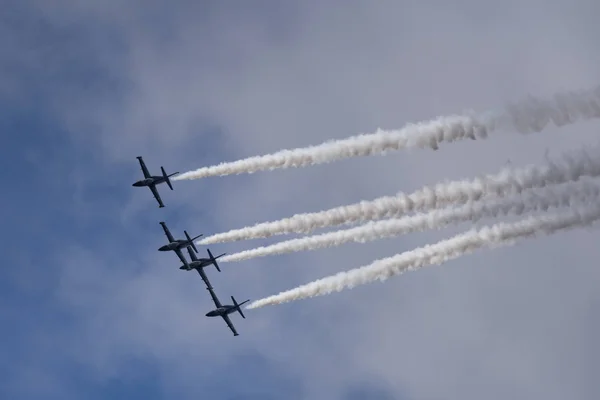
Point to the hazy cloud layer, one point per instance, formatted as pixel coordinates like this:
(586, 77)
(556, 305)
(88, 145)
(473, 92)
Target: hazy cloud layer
(194, 84)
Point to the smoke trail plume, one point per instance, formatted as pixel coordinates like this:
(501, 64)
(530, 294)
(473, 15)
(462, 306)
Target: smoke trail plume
(567, 195)
(530, 115)
(571, 166)
(501, 234)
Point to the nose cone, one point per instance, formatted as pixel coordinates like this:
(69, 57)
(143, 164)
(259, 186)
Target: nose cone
(163, 248)
(207, 314)
(137, 184)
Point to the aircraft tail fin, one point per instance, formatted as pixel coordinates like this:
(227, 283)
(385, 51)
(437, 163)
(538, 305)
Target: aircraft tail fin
(214, 259)
(191, 240)
(239, 306)
(164, 173)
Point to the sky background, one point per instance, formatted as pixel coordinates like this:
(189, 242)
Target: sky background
(90, 309)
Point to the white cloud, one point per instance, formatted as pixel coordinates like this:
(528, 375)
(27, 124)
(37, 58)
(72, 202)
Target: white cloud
(498, 324)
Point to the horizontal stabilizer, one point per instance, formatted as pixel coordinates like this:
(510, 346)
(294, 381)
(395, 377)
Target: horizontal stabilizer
(166, 177)
(192, 254)
(213, 259)
(239, 306)
(191, 240)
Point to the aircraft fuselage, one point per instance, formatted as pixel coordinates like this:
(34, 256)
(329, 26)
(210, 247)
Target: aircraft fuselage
(201, 263)
(178, 244)
(153, 180)
(224, 310)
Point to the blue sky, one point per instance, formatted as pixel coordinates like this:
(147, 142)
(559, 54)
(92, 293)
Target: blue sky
(91, 309)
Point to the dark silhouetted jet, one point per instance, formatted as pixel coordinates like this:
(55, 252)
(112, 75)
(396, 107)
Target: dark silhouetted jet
(200, 263)
(177, 244)
(224, 310)
(152, 180)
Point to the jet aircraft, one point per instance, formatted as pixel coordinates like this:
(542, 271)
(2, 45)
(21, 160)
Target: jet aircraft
(177, 244)
(199, 263)
(152, 180)
(224, 310)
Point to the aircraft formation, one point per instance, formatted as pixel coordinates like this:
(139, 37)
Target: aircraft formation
(564, 182)
(178, 245)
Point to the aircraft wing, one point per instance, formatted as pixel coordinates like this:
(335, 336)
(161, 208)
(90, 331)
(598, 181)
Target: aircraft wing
(167, 233)
(204, 277)
(181, 257)
(214, 297)
(229, 324)
(144, 169)
(156, 195)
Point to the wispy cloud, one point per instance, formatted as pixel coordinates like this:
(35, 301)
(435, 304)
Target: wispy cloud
(188, 85)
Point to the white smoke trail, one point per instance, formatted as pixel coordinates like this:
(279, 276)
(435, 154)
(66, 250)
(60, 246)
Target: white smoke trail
(571, 166)
(570, 194)
(424, 134)
(530, 115)
(501, 234)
